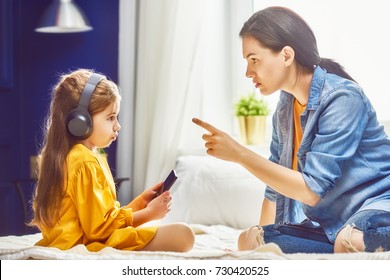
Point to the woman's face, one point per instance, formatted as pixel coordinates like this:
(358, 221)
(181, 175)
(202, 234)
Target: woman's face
(266, 68)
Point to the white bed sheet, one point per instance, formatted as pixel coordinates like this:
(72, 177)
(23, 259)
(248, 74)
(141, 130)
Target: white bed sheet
(211, 242)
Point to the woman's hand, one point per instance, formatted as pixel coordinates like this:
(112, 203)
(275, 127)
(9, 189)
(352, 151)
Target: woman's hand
(219, 144)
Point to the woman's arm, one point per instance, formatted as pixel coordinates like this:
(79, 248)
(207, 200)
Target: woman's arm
(268, 212)
(284, 180)
(219, 144)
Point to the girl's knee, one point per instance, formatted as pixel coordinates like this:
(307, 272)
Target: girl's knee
(176, 237)
(185, 237)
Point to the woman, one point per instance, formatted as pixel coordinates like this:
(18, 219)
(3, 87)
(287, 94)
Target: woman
(328, 177)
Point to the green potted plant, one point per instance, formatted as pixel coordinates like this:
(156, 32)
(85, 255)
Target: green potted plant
(251, 113)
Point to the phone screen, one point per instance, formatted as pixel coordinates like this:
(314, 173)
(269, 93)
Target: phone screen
(169, 181)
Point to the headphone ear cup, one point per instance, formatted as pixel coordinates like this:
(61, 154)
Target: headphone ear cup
(79, 123)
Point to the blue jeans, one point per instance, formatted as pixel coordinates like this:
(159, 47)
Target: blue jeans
(307, 238)
(375, 226)
(298, 238)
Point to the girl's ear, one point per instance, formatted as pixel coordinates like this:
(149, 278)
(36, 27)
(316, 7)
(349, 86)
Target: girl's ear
(288, 54)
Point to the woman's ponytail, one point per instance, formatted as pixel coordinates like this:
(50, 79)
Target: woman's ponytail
(335, 68)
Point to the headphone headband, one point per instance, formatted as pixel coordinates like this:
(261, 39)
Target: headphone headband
(89, 89)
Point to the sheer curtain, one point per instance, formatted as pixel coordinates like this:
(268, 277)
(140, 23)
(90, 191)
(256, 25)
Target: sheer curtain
(126, 76)
(167, 71)
(187, 57)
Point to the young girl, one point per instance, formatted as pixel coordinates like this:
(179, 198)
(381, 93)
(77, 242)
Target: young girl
(328, 175)
(75, 199)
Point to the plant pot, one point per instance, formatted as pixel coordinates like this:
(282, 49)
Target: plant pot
(252, 129)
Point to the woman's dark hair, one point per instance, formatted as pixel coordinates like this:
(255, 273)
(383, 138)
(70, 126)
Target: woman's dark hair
(277, 27)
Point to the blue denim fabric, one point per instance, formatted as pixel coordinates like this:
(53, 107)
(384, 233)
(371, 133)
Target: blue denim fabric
(375, 226)
(298, 238)
(344, 156)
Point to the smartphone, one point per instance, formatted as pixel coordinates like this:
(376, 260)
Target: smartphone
(169, 181)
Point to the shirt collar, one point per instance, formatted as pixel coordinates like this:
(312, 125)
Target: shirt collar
(316, 86)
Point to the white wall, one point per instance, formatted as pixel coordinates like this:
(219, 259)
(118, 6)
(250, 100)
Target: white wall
(355, 34)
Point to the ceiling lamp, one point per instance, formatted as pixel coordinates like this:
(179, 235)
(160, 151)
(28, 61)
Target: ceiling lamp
(63, 16)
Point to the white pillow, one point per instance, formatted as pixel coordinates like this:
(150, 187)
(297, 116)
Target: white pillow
(210, 191)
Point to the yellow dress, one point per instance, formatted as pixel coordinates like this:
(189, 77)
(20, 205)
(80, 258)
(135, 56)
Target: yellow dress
(90, 213)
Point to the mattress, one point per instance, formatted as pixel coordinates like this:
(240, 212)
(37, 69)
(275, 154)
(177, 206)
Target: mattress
(211, 243)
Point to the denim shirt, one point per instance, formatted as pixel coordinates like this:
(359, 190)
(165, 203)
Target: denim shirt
(344, 155)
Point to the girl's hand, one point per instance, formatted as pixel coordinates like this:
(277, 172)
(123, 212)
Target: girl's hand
(151, 193)
(218, 143)
(155, 210)
(141, 201)
(160, 206)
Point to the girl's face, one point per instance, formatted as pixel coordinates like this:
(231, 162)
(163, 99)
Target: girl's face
(105, 127)
(266, 68)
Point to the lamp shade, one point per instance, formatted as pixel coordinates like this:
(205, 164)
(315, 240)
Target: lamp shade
(63, 16)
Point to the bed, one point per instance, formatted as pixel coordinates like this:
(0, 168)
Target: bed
(217, 199)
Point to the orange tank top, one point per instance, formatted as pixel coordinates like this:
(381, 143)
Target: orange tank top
(298, 110)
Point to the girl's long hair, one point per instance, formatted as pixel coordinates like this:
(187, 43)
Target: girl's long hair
(277, 27)
(57, 142)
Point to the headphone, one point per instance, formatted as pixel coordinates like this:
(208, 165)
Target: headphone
(79, 120)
